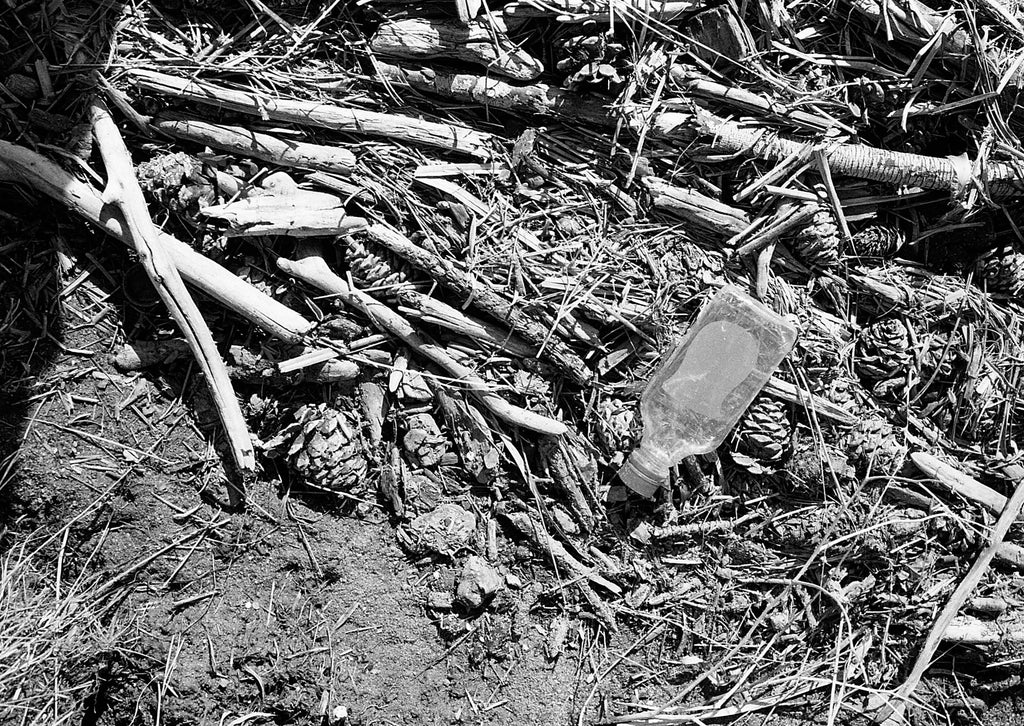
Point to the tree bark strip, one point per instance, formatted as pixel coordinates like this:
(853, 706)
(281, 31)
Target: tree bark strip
(486, 299)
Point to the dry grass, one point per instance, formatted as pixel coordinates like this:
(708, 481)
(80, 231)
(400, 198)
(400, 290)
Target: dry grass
(56, 633)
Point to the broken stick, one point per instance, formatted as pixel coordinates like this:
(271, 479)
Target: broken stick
(242, 141)
(22, 165)
(123, 191)
(892, 711)
(314, 271)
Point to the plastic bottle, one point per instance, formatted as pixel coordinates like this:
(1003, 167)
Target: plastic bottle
(705, 383)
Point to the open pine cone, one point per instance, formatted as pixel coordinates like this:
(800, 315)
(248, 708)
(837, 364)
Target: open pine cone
(324, 447)
(877, 240)
(1001, 271)
(884, 349)
(762, 439)
(818, 243)
(873, 444)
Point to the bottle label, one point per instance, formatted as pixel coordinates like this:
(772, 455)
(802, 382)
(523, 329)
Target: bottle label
(719, 358)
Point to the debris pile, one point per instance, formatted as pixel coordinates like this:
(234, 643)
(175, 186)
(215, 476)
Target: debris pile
(455, 240)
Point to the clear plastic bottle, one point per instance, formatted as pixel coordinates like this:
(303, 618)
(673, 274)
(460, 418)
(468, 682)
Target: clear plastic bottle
(705, 383)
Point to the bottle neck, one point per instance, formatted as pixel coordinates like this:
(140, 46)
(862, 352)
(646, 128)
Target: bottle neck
(645, 471)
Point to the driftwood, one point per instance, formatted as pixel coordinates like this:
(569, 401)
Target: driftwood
(123, 191)
(477, 42)
(433, 311)
(486, 299)
(281, 208)
(969, 630)
(265, 147)
(539, 98)
(314, 271)
(954, 175)
(324, 115)
(245, 221)
(22, 165)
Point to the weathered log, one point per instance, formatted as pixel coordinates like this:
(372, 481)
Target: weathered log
(539, 98)
(477, 42)
(954, 175)
(248, 222)
(698, 210)
(265, 147)
(324, 115)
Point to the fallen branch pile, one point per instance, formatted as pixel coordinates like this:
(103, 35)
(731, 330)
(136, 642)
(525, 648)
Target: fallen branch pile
(480, 228)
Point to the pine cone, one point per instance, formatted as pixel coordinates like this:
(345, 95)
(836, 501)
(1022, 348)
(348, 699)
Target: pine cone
(763, 434)
(884, 349)
(177, 182)
(372, 268)
(1001, 271)
(818, 243)
(872, 444)
(877, 240)
(324, 447)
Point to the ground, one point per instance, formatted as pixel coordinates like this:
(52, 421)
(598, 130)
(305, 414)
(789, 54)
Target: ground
(287, 611)
(293, 609)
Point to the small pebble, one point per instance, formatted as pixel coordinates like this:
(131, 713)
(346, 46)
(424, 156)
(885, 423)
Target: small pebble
(478, 583)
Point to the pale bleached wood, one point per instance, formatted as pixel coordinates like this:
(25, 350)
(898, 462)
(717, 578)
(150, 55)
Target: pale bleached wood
(314, 271)
(123, 191)
(257, 145)
(324, 115)
(25, 166)
(953, 480)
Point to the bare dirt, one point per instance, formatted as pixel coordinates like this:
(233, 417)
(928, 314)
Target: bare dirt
(287, 612)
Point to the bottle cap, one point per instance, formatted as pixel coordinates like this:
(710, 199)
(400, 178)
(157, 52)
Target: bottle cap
(639, 476)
